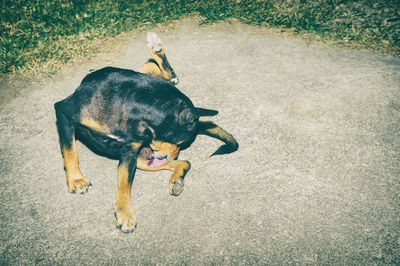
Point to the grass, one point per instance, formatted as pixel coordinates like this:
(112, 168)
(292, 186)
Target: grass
(39, 35)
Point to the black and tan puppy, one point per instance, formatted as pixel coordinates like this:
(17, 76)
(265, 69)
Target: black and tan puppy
(141, 120)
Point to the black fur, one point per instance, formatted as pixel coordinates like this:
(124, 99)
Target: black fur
(135, 107)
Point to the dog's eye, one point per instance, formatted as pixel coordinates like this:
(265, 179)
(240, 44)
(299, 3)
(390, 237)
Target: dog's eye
(191, 124)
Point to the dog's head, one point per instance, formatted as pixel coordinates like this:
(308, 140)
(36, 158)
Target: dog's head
(155, 111)
(185, 124)
(168, 138)
(159, 153)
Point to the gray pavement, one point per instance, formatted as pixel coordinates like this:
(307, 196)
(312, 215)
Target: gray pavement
(315, 179)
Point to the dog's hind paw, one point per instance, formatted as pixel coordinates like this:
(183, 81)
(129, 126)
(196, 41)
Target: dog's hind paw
(153, 42)
(176, 187)
(126, 219)
(79, 185)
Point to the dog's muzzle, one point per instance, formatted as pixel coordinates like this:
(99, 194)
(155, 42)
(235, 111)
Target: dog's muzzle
(156, 161)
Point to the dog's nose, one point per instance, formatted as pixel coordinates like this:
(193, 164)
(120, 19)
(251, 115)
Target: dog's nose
(161, 157)
(174, 80)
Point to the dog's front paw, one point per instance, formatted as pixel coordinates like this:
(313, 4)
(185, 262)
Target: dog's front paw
(78, 185)
(126, 219)
(176, 187)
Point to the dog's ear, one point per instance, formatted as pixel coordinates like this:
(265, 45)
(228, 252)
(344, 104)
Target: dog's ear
(190, 114)
(205, 112)
(187, 115)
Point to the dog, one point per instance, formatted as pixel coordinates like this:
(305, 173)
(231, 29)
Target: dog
(138, 118)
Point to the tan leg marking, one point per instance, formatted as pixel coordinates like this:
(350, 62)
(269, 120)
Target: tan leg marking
(152, 69)
(160, 58)
(76, 182)
(179, 169)
(124, 212)
(135, 145)
(94, 125)
(157, 70)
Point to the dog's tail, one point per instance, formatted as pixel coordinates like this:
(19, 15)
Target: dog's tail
(210, 129)
(158, 66)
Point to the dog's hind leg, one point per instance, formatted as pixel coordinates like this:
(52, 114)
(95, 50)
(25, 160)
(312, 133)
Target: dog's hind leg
(210, 129)
(158, 66)
(151, 68)
(76, 182)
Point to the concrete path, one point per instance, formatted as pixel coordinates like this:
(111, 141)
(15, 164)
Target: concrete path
(315, 180)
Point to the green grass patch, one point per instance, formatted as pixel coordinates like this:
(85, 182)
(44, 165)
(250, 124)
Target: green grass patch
(38, 35)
